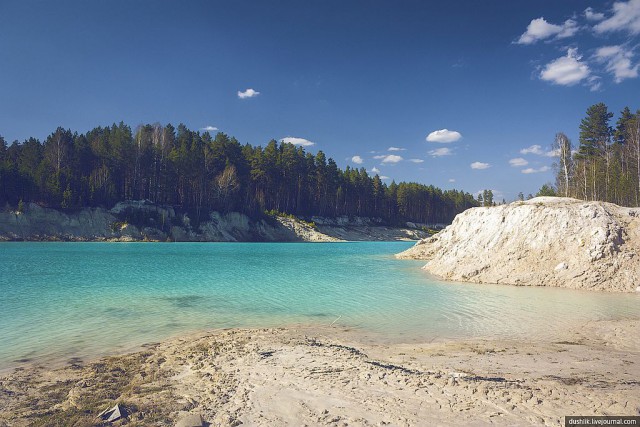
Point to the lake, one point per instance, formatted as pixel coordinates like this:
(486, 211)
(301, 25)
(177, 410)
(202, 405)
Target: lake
(59, 300)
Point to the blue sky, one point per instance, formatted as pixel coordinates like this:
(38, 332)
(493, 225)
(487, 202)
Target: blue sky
(489, 81)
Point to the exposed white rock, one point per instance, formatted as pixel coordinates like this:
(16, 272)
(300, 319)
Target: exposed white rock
(357, 228)
(378, 233)
(38, 223)
(545, 241)
(561, 266)
(346, 221)
(305, 231)
(163, 223)
(143, 205)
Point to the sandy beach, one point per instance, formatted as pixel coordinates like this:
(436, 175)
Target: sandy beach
(332, 376)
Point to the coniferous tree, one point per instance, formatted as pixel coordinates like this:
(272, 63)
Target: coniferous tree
(487, 196)
(607, 164)
(594, 152)
(622, 125)
(198, 173)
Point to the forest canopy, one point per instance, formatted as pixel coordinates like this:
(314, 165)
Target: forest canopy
(200, 173)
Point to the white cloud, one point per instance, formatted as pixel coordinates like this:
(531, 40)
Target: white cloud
(375, 170)
(444, 136)
(396, 149)
(390, 158)
(518, 162)
(607, 51)
(452, 180)
(566, 70)
(594, 83)
(297, 141)
(249, 93)
(618, 62)
(593, 16)
(416, 160)
(540, 29)
(534, 149)
(480, 165)
(209, 129)
(357, 160)
(439, 152)
(626, 17)
(384, 177)
(532, 170)
(537, 149)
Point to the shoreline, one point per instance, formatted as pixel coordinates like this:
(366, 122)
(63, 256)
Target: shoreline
(332, 376)
(407, 240)
(350, 329)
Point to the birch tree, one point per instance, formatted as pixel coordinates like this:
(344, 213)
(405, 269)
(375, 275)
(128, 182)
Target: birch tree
(562, 146)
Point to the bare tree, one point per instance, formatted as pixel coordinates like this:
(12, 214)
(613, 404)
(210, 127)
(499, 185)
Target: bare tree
(57, 149)
(226, 185)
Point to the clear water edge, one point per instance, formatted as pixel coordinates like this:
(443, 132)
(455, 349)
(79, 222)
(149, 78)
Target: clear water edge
(61, 300)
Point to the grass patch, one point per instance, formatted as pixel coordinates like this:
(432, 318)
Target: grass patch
(130, 381)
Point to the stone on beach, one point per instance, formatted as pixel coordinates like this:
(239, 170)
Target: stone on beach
(113, 414)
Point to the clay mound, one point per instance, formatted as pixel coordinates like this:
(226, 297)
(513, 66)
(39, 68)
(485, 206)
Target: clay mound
(545, 241)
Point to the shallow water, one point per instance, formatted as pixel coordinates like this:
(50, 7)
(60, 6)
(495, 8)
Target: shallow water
(61, 300)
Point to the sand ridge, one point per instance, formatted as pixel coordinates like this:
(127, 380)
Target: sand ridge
(545, 241)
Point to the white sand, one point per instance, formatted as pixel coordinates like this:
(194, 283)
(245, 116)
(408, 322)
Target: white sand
(327, 376)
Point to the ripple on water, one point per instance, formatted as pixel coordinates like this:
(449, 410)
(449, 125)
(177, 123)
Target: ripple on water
(59, 299)
(184, 301)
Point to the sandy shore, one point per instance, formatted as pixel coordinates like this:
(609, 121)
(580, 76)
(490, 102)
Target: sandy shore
(327, 376)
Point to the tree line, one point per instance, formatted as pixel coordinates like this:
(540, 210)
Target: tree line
(606, 164)
(199, 173)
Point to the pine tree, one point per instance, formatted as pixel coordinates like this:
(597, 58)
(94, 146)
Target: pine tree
(594, 153)
(622, 126)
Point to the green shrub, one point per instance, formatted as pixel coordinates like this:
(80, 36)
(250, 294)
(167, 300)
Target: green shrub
(277, 214)
(118, 225)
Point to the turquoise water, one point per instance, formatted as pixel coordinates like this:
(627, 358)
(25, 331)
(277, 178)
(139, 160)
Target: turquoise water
(84, 299)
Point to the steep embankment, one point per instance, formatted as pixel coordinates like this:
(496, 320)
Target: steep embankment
(357, 228)
(545, 241)
(162, 223)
